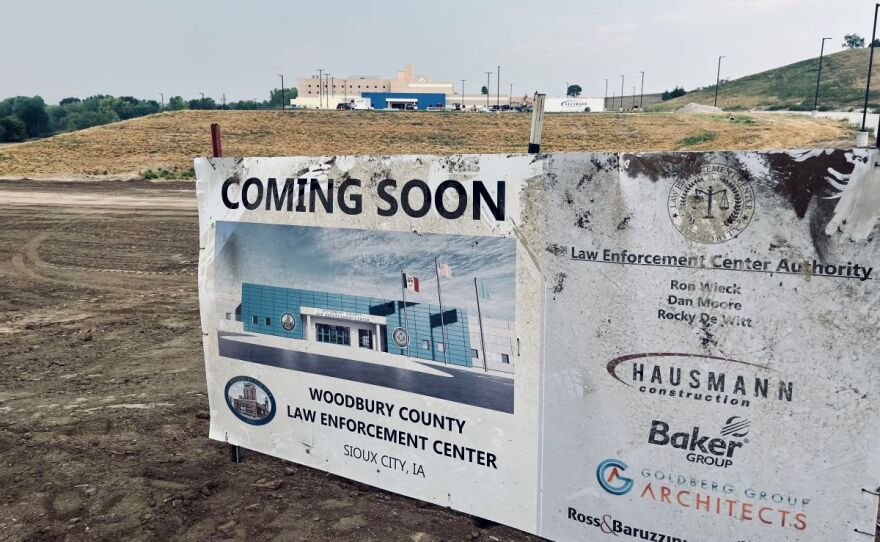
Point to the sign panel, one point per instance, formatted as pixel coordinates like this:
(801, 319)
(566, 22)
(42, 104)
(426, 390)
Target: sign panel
(677, 346)
(378, 318)
(711, 363)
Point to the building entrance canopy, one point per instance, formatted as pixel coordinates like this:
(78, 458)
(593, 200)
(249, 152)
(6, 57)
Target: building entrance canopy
(344, 315)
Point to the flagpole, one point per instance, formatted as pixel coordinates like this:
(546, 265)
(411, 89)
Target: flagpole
(440, 300)
(480, 319)
(405, 323)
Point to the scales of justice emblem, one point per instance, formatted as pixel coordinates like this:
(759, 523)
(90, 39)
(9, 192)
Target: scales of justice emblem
(713, 206)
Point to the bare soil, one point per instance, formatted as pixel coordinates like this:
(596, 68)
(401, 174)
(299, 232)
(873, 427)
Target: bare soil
(169, 141)
(103, 433)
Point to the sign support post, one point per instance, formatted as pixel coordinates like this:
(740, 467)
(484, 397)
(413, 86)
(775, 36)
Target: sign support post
(537, 124)
(217, 152)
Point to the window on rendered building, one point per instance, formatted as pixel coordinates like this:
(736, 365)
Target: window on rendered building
(333, 334)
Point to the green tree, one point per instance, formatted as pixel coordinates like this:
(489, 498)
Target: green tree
(202, 103)
(275, 96)
(176, 103)
(674, 93)
(484, 91)
(876, 43)
(574, 91)
(853, 41)
(31, 111)
(12, 128)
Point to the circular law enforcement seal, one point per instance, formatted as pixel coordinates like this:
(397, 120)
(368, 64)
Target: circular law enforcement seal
(713, 206)
(400, 337)
(250, 400)
(288, 322)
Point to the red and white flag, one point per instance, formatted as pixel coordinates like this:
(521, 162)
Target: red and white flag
(412, 283)
(444, 270)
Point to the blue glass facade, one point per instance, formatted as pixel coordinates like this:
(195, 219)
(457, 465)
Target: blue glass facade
(424, 100)
(262, 308)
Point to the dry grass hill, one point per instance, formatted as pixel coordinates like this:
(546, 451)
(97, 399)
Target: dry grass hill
(164, 145)
(793, 87)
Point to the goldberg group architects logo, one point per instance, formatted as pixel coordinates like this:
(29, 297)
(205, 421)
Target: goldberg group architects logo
(704, 493)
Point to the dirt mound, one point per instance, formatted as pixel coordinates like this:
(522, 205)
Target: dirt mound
(164, 145)
(698, 108)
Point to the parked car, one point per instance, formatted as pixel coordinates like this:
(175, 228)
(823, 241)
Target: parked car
(344, 107)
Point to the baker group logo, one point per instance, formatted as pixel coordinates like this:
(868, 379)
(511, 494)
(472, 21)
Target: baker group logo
(702, 449)
(250, 400)
(609, 477)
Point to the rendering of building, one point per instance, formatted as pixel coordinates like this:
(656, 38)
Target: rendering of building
(370, 323)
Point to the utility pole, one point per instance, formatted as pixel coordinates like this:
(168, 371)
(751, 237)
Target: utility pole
(282, 91)
(718, 80)
(634, 97)
(332, 88)
(510, 95)
(202, 103)
(223, 101)
(488, 76)
(320, 91)
(462, 93)
(605, 102)
(498, 89)
(868, 85)
(621, 93)
(642, 92)
(162, 97)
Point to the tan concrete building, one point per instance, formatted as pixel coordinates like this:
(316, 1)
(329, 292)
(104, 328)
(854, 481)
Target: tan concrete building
(333, 90)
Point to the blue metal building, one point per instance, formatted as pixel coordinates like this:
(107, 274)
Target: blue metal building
(331, 318)
(397, 100)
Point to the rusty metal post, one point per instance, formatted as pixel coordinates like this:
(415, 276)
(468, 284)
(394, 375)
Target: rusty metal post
(216, 146)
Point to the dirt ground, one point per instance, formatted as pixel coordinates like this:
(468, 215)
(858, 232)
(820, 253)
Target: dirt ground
(170, 140)
(103, 434)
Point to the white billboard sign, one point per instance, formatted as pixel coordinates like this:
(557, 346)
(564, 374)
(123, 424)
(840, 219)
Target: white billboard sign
(657, 347)
(712, 363)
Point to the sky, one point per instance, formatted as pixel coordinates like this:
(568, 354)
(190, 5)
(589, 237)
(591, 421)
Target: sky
(59, 49)
(368, 263)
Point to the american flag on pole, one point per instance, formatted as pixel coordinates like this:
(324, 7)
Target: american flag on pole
(444, 270)
(411, 282)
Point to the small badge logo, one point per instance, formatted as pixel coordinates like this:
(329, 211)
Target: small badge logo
(250, 400)
(400, 337)
(713, 206)
(609, 477)
(288, 322)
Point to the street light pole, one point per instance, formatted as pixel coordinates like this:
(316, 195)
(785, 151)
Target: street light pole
(320, 91)
(634, 97)
(282, 91)
(462, 93)
(868, 85)
(498, 89)
(327, 89)
(718, 80)
(642, 92)
(488, 75)
(819, 75)
(510, 95)
(621, 93)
